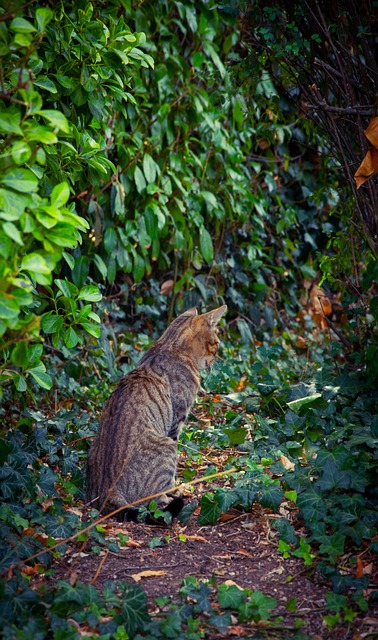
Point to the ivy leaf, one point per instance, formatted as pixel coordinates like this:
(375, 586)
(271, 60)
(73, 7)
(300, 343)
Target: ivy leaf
(271, 496)
(315, 400)
(134, 613)
(230, 596)
(311, 503)
(258, 608)
(5, 450)
(210, 510)
(333, 478)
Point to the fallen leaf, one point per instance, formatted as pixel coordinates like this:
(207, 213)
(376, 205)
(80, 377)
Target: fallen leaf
(244, 552)
(196, 538)
(46, 504)
(225, 517)
(30, 571)
(367, 168)
(147, 574)
(372, 132)
(237, 631)
(288, 464)
(134, 544)
(231, 583)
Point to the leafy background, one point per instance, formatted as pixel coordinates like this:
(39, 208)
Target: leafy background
(154, 158)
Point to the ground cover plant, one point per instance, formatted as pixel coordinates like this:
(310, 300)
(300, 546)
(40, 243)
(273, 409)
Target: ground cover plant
(151, 160)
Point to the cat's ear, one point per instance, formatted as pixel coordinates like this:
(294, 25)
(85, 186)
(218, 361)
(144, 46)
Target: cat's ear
(190, 312)
(215, 315)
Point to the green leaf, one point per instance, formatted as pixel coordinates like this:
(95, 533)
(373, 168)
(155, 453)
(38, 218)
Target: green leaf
(206, 245)
(138, 268)
(45, 83)
(9, 122)
(231, 596)
(70, 338)
(333, 478)
(315, 400)
(56, 118)
(149, 168)
(90, 293)
(12, 205)
(21, 180)
(12, 232)
(92, 329)
(5, 450)
(101, 266)
(34, 263)
(43, 17)
(110, 240)
(21, 152)
(41, 377)
(20, 25)
(258, 608)
(68, 289)
(134, 610)
(237, 436)
(19, 355)
(69, 259)
(19, 382)
(140, 181)
(51, 322)
(60, 195)
(210, 510)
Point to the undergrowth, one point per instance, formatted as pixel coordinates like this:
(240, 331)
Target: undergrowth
(290, 425)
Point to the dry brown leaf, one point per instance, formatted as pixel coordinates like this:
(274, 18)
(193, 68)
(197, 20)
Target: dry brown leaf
(367, 168)
(231, 583)
(225, 517)
(167, 287)
(288, 464)
(237, 631)
(30, 571)
(372, 132)
(196, 538)
(244, 552)
(148, 573)
(46, 504)
(134, 544)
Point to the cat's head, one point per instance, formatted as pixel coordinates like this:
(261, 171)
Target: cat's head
(198, 335)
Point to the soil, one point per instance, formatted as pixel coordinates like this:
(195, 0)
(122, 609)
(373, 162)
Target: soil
(241, 548)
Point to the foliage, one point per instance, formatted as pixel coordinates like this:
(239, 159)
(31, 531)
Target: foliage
(134, 153)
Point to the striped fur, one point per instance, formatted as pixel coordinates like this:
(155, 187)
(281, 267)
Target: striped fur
(135, 452)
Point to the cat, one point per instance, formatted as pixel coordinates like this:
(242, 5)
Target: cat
(135, 452)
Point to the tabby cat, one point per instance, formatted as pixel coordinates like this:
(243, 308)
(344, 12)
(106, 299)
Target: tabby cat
(135, 452)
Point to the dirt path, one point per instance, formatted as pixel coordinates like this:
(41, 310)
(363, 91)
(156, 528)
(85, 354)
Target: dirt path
(238, 549)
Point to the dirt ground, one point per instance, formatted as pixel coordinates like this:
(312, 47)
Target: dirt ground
(241, 548)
